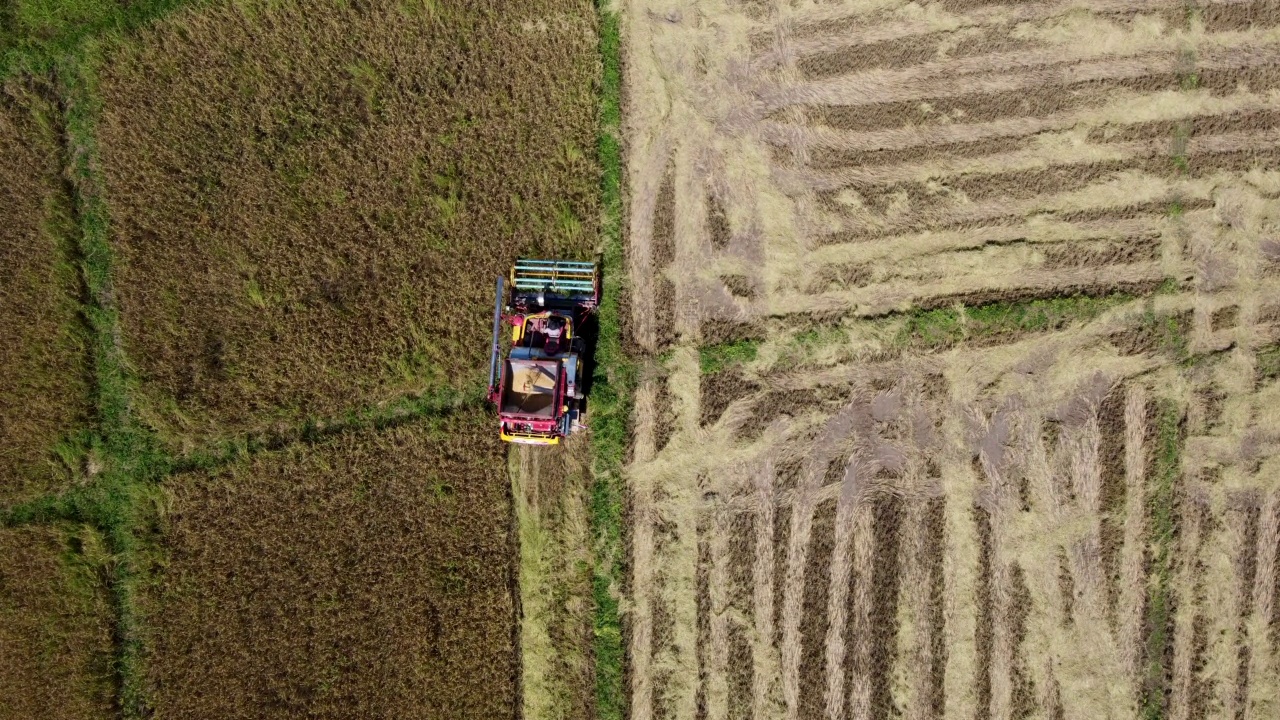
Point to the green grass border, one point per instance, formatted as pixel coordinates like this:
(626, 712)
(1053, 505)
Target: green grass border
(120, 499)
(612, 385)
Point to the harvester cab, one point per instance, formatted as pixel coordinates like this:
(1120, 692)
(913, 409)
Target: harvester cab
(537, 386)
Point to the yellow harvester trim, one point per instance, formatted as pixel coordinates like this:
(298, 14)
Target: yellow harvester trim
(534, 439)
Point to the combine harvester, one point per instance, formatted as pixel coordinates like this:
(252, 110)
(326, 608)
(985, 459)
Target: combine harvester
(538, 385)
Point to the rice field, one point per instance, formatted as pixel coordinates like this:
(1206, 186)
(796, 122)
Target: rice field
(43, 355)
(958, 318)
(251, 251)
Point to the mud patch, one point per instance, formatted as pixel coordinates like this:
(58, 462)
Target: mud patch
(741, 672)
(1153, 334)
(792, 403)
(935, 553)
(665, 420)
(1224, 318)
(664, 308)
(888, 55)
(781, 538)
(982, 597)
(888, 512)
(1246, 571)
(740, 286)
(1102, 253)
(843, 276)
(984, 107)
(1112, 492)
(703, 602)
(664, 221)
(1023, 703)
(719, 390)
(837, 157)
(719, 332)
(1220, 17)
(813, 627)
(718, 229)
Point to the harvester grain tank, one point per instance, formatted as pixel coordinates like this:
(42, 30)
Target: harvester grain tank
(538, 385)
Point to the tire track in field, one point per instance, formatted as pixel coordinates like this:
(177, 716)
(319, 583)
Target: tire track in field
(1047, 617)
(1186, 591)
(1263, 698)
(919, 660)
(1040, 157)
(1222, 607)
(960, 565)
(1033, 231)
(764, 659)
(1000, 671)
(882, 299)
(860, 670)
(836, 430)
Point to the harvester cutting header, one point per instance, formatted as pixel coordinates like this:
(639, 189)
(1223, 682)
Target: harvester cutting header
(538, 387)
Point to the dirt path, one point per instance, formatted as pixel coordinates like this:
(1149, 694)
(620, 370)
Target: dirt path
(550, 488)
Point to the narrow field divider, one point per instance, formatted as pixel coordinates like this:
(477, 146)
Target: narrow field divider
(612, 384)
(114, 502)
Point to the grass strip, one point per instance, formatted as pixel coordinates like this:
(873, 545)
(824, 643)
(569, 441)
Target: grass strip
(714, 358)
(612, 385)
(1159, 593)
(948, 326)
(119, 499)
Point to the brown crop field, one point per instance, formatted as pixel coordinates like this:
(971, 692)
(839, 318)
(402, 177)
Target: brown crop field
(371, 575)
(55, 625)
(43, 385)
(310, 201)
(960, 326)
(249, 253)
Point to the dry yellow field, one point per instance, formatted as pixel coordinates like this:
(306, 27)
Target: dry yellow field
(959, 326)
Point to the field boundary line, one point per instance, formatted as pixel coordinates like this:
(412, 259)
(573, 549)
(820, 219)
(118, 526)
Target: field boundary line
(117, 500)
(613, 380)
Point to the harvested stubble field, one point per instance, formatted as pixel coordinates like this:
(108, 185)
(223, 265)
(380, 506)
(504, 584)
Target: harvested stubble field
(370, 575)
(960, 321)
(55, 625)
(43, 385)
(310, 200)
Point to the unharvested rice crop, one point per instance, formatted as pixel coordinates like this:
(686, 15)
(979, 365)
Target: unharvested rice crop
(959, 321)
(310, 201)
(43, 385)
(370, 575)
(55, 625)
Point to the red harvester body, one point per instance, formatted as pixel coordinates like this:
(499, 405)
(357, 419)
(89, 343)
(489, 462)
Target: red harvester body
(537, 387)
